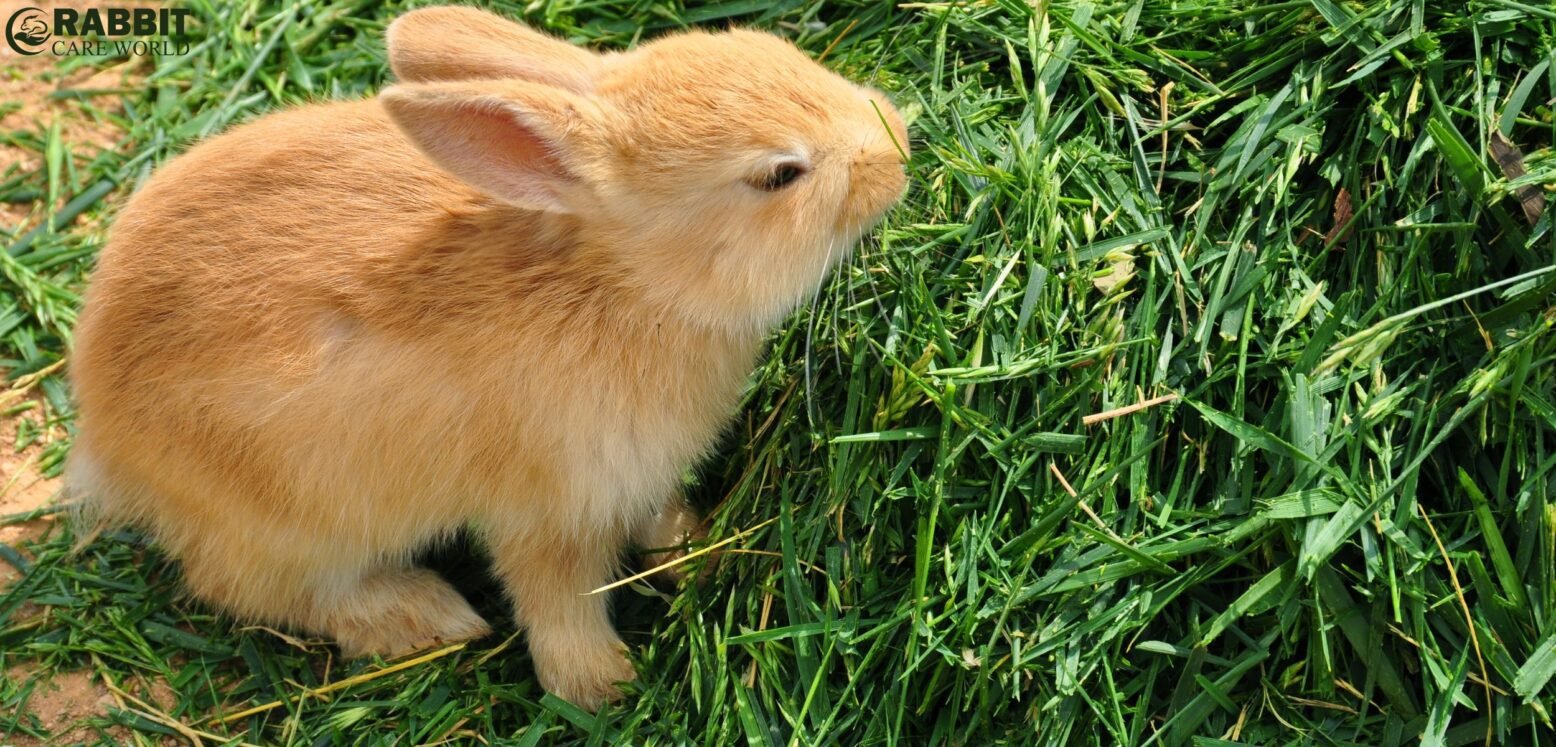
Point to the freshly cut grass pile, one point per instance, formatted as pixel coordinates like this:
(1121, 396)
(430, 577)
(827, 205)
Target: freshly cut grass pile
(1311, 233)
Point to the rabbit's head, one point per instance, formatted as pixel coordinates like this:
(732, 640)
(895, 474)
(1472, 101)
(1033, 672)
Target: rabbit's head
(724, 173)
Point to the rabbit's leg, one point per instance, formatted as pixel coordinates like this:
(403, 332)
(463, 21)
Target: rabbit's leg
(576, 651)
(395, 611)
(666, 533)
(385, 610)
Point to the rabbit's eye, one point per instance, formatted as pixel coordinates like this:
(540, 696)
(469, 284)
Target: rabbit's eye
(781, 176)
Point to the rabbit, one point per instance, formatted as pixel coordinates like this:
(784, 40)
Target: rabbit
(517, 292)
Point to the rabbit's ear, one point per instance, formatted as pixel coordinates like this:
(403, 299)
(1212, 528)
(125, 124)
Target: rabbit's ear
(526, 144)
(453, 43)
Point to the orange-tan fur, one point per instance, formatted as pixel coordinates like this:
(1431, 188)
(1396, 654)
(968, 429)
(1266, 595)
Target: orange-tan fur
(520, 292)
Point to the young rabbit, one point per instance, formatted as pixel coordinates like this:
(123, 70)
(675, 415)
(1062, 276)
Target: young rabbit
(520, 291)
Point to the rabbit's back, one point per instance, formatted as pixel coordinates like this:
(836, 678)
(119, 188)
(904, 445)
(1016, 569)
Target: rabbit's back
(214, 299)
(264, 314)
(269, 220)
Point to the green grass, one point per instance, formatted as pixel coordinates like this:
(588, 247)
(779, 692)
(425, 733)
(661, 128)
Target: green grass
(1342, 532)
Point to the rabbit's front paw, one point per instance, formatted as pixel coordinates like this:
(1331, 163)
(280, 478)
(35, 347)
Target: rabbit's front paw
(589, 676)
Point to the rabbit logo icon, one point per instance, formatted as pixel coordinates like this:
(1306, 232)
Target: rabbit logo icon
(27, 31)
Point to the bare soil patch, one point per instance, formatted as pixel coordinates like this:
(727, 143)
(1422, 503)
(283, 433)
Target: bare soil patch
(61, 703)
(66, 702)
(23, 489)
(27, 85)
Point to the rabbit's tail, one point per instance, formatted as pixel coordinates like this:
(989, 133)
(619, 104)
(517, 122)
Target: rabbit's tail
(95, 503)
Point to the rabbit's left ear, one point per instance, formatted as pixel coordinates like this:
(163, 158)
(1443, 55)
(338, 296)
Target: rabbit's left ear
(454, 43)
(526, 144)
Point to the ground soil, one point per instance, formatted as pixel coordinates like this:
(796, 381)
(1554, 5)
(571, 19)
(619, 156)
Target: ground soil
(61, 703)
(23, 488)
(85, 126)
(67, 703)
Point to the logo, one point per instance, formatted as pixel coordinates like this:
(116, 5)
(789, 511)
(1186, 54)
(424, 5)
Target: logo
(27, 31)
(97, 31)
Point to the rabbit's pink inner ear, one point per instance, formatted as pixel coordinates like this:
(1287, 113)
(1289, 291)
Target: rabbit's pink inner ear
(490, 146)
(524, 163)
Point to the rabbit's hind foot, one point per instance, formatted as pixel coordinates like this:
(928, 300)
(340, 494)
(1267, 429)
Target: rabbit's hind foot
(397, 611)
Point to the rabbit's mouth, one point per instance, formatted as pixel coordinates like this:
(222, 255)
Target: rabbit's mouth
(875, 187)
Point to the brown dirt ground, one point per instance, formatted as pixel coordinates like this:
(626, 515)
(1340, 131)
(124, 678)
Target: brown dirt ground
(22, 489)
(29, 80)
(64, 702)
(60, 703)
